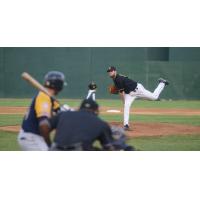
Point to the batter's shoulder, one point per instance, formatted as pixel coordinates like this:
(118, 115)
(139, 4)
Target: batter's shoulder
(43, 97)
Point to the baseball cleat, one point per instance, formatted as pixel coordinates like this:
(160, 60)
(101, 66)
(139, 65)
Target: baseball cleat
(127, 128)
(161, 80)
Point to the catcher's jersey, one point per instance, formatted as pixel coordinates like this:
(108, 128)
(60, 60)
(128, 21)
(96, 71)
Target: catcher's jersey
(91, 95)
(42, 106)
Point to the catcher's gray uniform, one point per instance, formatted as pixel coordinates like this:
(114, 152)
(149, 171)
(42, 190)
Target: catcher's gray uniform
(92, 91)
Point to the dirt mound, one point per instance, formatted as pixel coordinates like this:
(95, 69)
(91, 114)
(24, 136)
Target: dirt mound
(159, 129)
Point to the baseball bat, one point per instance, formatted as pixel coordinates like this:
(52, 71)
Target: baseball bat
(41, 88)
(37, 85)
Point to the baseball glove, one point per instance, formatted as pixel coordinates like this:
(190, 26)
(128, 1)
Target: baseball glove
(113, 90)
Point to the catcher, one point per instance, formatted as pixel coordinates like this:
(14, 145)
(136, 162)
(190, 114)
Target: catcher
(92, 91)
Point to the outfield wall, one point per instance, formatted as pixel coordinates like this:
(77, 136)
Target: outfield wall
(82, 65)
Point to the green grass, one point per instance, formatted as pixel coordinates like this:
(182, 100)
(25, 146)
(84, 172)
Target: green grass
(190, 120)
(153, 104)
(167, 143)
(15, 102)
(113, 103)
(8, 140)
(6, 120)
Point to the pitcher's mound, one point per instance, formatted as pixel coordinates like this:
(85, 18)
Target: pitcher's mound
(159, 129)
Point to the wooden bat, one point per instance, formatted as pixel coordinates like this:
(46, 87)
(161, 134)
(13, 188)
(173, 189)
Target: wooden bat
(41, 88)
(36, 84)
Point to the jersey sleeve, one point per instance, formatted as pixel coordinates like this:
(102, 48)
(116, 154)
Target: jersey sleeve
(43, 105)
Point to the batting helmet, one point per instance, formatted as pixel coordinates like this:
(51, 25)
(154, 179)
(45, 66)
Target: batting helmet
(54, 80)
(92, 86)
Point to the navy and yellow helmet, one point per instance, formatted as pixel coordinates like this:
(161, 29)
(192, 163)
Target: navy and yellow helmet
(55, 80)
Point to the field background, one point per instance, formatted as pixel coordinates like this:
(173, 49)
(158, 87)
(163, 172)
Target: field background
(82, 65)
(170, 124)
(188, 142)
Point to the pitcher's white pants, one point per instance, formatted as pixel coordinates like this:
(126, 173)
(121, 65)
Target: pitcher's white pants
(31, 142)
(140, 92)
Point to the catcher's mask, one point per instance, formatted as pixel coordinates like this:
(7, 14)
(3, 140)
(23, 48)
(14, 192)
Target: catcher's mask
(92, 86)
(89, 104)
(55, 80)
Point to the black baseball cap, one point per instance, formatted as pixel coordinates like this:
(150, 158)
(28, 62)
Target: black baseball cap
(110, 69)
(89, 104)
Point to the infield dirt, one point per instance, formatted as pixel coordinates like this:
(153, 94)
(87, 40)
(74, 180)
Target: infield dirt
(138, 128)
(139, 111)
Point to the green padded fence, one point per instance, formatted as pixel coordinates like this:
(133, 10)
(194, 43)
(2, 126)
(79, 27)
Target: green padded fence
(82, 65)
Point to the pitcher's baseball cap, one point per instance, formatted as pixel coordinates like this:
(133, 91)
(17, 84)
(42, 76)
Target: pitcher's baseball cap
(111, 68)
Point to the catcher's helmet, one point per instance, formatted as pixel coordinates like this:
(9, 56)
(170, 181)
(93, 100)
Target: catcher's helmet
(54, 80)
(92, 86)
(89, 104)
